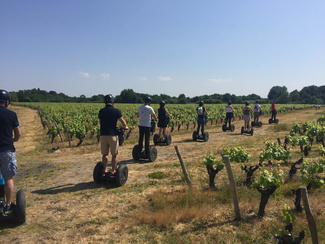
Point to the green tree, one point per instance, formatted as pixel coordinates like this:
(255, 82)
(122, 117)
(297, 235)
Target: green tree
(276, 92)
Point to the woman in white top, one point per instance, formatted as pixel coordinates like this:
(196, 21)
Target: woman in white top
(229, 114)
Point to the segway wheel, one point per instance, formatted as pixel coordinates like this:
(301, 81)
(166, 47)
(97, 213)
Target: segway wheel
(242, 130)
(21, 207)
(152, 153)
(252, 123)
(195, 135)
(276, 121)
(232, 127)
(206, 136)
(135, 152)
(270, 121)
(121, 175)
(156, 139)
(259, 123)
(252, 131)
(224, 127)
(97, 171)
(168, 139)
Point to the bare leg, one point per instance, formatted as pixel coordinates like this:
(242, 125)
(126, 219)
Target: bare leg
(114, 163)
(104, 161)
(9, 189)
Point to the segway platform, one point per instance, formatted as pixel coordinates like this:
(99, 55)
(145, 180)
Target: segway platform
(276, 121)
(256, 124)
(120, 177)
(225, 127)
(196, 136)
(141, 155)
(247, 131)
(157, 140)
(19, 212)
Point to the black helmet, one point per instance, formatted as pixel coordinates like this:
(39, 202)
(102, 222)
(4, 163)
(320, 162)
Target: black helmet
(162, 103)
(109, 98)
(4, 96)
(147, 100)
(229, 103)
(246, 103)
(257, 101)
(201, 103)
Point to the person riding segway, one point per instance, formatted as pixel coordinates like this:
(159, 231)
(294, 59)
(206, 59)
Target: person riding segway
(163, 120)
(274, 112)
(229, 116)
(145, 113)
(202, 114)
(257, 113)
(247, 110)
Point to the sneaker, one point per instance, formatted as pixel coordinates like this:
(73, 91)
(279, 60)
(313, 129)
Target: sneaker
(105, 171)
(9, 209)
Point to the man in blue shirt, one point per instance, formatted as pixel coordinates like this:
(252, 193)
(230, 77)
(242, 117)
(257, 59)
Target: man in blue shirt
(9, 133)
(108, 118)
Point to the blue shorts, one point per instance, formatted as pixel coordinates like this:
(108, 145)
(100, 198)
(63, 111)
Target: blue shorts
(8, 164)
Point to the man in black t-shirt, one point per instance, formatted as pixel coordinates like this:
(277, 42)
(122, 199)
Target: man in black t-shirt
(108, 118)
(8, 163)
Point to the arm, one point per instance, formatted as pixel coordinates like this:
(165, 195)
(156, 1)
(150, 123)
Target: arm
(168, 113)
(123, 123)
(16, 134)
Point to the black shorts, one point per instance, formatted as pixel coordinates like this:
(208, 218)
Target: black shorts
(162, 123)
(229, 115)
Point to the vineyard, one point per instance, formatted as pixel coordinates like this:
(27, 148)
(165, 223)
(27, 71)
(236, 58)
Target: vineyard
(156, 205)
(69, 120)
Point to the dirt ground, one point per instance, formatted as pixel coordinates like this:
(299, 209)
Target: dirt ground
(64, 205)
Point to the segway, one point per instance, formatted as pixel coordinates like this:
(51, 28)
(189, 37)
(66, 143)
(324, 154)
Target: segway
(120, 177)
(157, 140)
(140, 155)
(19, 212)
(225, 127)
(121, 135)
(276, 121)
(196, 136)
(256, 124)
(247, 131)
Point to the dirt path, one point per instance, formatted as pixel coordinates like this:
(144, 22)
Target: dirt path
(63, 199)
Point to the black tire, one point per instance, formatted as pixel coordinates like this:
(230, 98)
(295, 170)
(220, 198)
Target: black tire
(121, 175)
(252, 123)
(224, 127)
(276, 121)
(242, 130)
(153, 153)
(206, 136)
(260, 123)
(97, 172)
(156, 138)
(21, 207)
(168, 139)
(135, 152)
(270, 121)
(194, 135)
(252, 131)
(232, 127)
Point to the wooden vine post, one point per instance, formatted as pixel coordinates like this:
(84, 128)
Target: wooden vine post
(232, 182)
(309, 215)
(187, 177)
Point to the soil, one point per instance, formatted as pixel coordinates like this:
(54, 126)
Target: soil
(64, 205)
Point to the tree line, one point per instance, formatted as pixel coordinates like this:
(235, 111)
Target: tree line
(308, 95)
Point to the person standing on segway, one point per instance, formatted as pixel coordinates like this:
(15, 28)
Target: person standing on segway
(163, 119)
(273, 111)
(145, 112)
(9, 133)
(109, 142)
(247, 110)
(229, 114)
(201, 117)
(257, 111)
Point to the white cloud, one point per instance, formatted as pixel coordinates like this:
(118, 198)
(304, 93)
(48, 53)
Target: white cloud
(165, 78)
(84, 75)
(142, 78)
(105, 76)
(220, 80)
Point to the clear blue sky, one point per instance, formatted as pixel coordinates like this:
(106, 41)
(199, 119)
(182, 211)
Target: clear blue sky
(84, 47)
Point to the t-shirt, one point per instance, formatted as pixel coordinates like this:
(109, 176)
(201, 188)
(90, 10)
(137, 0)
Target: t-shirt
(8, 121)
(108, 119)
(145, 112)
(257, 108)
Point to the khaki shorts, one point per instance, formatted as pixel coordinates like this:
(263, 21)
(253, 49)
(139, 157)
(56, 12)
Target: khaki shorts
(109, 143)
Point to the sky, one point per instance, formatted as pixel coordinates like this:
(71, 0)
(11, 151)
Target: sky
(173, 47)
